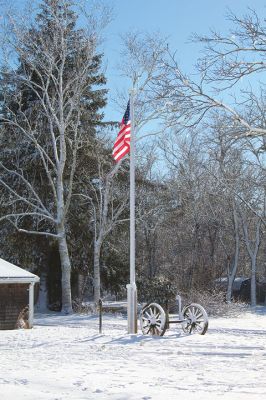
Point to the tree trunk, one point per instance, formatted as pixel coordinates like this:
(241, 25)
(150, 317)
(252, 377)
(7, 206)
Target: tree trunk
(43, 294)
(253, 257)
(253, 296)
(82, 281)
(234, 265)
(66, 275)
(97, 275)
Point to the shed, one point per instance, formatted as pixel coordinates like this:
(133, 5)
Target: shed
(16, 293)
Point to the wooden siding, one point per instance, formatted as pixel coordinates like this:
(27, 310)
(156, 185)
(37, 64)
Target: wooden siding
(13, 298)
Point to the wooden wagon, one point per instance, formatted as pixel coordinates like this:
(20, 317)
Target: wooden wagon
(154, 320)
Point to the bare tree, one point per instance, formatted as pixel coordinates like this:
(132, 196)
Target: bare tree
(142, 54)
(56, 66)
(107, 202)
(228, 60)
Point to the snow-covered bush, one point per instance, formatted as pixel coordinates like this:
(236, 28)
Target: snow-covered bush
(158, 289)
(213, 302)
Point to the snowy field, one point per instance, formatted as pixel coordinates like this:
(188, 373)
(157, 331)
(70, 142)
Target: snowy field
(65, 358)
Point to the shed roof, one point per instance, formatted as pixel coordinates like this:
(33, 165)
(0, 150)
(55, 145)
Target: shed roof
(13, 274)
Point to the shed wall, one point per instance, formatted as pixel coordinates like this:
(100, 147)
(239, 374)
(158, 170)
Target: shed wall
(13, 298)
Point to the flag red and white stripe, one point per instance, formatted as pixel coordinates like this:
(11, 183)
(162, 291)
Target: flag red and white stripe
(122, 143)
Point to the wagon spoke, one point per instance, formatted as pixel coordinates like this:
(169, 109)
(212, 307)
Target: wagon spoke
(199, 314)
(145, 319)
(155, 312)
(198, 327)
(157, 330)
(149, 315)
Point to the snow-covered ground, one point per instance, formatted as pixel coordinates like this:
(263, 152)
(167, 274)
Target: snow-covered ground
(65, 358)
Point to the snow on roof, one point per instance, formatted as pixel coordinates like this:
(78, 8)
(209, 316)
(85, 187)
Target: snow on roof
(10, 272)
(236, 284)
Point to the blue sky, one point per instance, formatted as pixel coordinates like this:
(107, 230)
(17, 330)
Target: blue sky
(177, 19)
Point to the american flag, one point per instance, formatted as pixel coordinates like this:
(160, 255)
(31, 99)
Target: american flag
(122, 143)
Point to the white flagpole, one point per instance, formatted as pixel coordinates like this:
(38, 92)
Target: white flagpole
(131, 288)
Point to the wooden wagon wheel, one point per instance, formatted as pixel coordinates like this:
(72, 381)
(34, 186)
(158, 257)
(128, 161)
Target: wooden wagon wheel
(196, 319)
(153, 320)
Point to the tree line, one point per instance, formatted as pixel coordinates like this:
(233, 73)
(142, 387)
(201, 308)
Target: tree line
(200, 179)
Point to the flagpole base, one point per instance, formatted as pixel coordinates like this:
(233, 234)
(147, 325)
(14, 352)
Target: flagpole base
(132, 323)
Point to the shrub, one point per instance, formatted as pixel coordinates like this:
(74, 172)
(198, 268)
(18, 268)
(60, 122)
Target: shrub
(159, 289)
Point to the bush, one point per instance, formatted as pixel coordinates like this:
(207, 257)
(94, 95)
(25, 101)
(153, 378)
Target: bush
(81, 307)
(159, 289)
(213, 302)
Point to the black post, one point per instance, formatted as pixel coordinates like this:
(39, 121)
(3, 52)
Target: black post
(167, 314)
(100, 315)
